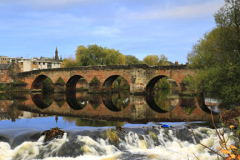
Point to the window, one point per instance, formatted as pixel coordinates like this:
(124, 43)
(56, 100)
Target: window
(43, 63)
(1, 71)
(21, 69)
(39, 63)
(21, 63)
(49, 65)
(34, 62)
(4, 59)
(34, 68)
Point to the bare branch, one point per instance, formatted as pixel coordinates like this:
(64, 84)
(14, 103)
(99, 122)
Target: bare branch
(201, 143)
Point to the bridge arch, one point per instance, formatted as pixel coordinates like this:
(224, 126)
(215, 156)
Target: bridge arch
(152, 82)
(72, 81)
(109, 81)
(38, 82)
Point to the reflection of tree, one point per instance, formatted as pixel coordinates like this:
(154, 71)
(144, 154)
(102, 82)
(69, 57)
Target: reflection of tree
(160, 98)
(121, 100)
(13, 112)
(48, 98)
(188, 104)
(59, 99)
(95, 101)
(91, 122)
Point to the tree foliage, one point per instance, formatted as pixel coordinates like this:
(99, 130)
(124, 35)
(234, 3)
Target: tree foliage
(155, 60)
(70, 62)
(163, 61)
(97, 55)
(151, 60)
(129, 59)
(216, 56)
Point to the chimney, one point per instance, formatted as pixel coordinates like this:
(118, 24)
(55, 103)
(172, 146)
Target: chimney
(56, 54)
(176, 62)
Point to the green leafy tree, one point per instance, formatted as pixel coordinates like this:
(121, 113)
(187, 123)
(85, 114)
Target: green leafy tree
(163, 61)
(217, 56)
(129, 59)
(151, 60)
(97, 55)
(70, 62)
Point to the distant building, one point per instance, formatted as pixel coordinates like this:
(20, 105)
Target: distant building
(28, 64)
(5, 72)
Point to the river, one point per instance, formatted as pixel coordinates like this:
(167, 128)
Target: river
(107, 127)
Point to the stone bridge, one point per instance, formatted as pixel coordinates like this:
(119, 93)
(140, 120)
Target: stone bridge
(141, 78)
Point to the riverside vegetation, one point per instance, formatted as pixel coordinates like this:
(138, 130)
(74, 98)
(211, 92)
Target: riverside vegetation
(215, 59)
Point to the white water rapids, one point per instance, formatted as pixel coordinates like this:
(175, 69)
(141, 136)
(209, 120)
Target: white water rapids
(132, 147)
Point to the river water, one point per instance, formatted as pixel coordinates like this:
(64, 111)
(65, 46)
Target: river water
(107, 127)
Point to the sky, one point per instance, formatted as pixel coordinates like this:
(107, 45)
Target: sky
(34, 28)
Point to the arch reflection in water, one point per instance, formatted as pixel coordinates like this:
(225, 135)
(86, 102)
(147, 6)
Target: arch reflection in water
(188, 104)
(203, 106)
(116, 101)
(77, 100)
(42, 100)
(163, 100)
(95, 100)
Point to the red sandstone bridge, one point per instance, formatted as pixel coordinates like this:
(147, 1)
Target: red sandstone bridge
(141, 78)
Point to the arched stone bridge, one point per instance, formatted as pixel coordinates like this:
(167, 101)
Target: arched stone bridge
(141, 78)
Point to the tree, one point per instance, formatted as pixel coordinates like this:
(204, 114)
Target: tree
(129, 59)
(97, 55)
(217, 56)
(163, 61)
(151, 60)
(69, 62)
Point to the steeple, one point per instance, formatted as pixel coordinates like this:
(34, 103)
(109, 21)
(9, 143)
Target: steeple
(56, 54)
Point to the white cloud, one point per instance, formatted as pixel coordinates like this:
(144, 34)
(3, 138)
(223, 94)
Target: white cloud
(178, 12)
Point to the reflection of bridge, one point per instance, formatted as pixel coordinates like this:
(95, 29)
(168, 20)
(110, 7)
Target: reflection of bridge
(139, 77)
(137, 110)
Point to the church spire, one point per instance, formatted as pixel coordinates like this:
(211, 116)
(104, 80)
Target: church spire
(56, 54)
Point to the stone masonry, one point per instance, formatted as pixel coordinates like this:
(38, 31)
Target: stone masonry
(141, 78)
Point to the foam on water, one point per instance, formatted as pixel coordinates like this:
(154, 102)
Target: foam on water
(133, 146)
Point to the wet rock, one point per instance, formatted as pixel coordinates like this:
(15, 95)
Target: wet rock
(71, 149)
(53, 133)
(112, 136)
(184, 135)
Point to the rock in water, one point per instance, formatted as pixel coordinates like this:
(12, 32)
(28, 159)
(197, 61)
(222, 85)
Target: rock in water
(53, 133)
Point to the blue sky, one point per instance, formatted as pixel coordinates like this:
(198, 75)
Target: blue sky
(33, 28)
